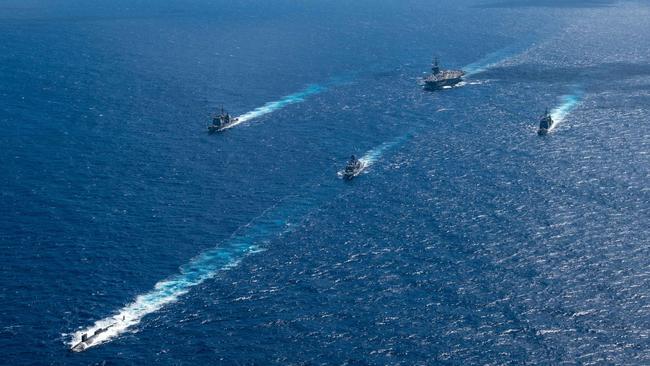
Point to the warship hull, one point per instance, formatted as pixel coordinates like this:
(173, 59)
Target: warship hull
(351, 174)
(439, 84)
(545, 124)
(439, 78)
(221, 128)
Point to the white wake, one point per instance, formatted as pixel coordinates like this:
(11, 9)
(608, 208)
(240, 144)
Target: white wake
(568, 104)
(271, 107)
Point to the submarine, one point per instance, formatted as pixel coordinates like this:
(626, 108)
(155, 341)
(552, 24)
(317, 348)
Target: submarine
(545, 123)
(87, 341)
(353, 168)
(442, 78)
(222, 122)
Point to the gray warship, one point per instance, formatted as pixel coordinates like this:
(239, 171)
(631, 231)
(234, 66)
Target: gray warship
(221, 122)
(441, 78)
(87, 341)
(545, 123)
(353, 168)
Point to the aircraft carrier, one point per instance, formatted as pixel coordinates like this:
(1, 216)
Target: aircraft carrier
(439, 79)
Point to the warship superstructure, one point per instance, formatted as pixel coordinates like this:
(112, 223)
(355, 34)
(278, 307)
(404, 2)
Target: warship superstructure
(222, 121)
(439, 79)
(545, 123)
(353, 168)
(87, 341)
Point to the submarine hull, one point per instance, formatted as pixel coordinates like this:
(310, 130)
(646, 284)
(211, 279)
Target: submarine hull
(79, 347)
(88, 341)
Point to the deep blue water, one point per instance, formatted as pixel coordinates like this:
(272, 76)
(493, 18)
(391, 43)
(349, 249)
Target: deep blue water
(469, 240)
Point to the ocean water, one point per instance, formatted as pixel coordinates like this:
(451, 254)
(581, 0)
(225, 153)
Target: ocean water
(468, 240)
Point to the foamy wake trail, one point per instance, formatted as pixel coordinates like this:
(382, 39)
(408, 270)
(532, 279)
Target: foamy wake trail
(279, 104)
(206, 266)
(370, 157)
(492, 60)
(569, 103)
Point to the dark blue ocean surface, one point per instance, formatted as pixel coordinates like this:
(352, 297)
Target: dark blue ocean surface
(468, 240)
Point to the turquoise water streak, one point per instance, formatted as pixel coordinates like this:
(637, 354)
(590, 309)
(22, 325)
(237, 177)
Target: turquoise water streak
(494, 59)
(568, 103)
